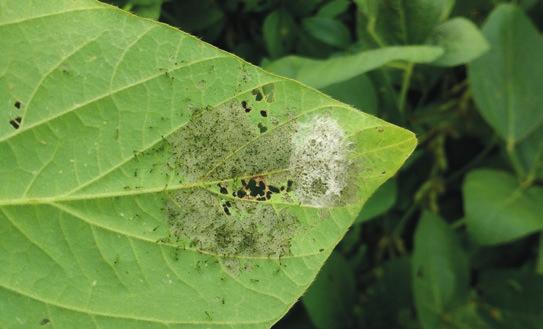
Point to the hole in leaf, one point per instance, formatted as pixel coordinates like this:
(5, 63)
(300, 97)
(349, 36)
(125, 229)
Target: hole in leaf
(245, 107)
(258, 95)
(16, 123)
(269, 93)
(262, 128)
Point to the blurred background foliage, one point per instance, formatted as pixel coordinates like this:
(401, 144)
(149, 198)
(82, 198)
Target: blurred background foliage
(455, 240)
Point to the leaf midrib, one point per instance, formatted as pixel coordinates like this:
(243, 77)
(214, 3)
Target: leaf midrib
(204, 184)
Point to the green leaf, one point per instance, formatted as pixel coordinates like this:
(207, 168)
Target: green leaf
(150, 11)
(466, 316)
(198, 15)
(462, 41)
(322, 73)
(398, 22)
(358, 92)
(330, 299)
(382, 200)
(514, 299)
(530, 153)
(333, 8)
(150, 180)
(328, 30)
(506, 80)
(440, 271)
(145, 2)
(539, 260)
(278, 31)
(388, 299)
(498, 210)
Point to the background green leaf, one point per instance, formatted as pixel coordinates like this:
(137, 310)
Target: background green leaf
(382, 200)
(322, 73)
(461, 40)
(439, 271)
(333, 8)
(330, 299)
(498, 209)
(358, 92)
(278, 31)
(505, 80)
(378, 310)
(530, 153)
(328, 30)
(399, 22)
(513, 298)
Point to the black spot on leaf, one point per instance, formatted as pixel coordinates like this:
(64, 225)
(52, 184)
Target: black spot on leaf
(16, 123)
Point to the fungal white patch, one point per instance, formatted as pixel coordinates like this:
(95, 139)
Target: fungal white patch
(319, 161)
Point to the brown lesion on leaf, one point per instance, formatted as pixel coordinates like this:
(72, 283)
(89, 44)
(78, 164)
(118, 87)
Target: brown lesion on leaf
(229, 227)
(223, 142)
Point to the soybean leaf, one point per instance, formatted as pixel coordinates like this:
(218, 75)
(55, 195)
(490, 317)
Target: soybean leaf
(322, 73)
(467, 316)
(539, 261)
(530, 153)
(149, 11)
(145, 8)
(382, 200)
(461, 40)
(379, 310)
(202, 16)
(498, 210)
(400, 21)
(505, 81)
(440, 271)
(150, 180)
(333, 8)
(358, 92)
(330, 299)
(328, 30)
(145, 2)
(527, 4)
(513, 298)
(278, 31)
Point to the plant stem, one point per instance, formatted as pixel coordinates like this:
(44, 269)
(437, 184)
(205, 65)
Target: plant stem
(405, 86)
(458, 224)
(371, 31)
(515, 162)
(398, 230)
